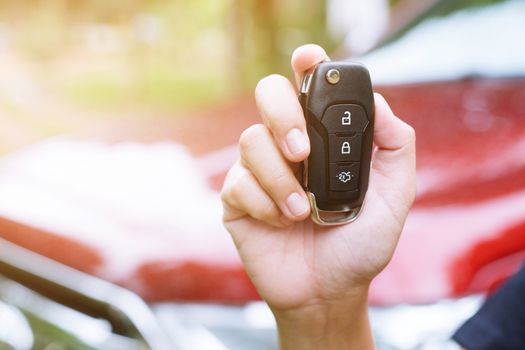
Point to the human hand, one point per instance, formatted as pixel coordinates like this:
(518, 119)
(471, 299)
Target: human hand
(312, 276)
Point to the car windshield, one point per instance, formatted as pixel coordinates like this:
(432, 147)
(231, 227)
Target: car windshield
(479, 41)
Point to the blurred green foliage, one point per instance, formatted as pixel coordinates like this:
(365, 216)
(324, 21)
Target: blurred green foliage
(168, 54)
(155, 87)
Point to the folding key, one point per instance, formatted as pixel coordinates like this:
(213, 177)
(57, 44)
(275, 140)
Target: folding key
(338, 105)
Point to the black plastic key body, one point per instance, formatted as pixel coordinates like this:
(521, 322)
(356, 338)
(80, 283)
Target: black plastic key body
(338, 105)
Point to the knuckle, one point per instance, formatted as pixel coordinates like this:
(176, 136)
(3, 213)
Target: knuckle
(284, 221)
(410, 133)
(234, 188)
(226, 194)
(269, 81)
(278, 104)
(249, 136)
(226, 186)
(268, 211)
(407, 137)
(239, 188)
(283, 183)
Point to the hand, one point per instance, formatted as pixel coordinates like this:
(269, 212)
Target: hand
(314, 278)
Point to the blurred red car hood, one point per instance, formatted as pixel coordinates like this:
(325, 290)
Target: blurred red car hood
(148, 216)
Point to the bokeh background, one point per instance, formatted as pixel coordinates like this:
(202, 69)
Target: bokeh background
(120, 119)
(70, 65)
(75, 65)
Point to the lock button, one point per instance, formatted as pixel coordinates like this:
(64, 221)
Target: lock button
(344, 148)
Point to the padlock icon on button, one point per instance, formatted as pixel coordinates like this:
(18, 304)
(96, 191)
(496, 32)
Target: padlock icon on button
(347, 118)
(345, 148)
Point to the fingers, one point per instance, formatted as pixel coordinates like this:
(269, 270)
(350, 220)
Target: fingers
(305, 57)
(263, 185)
(260, 155)
(282, 113)
(280, 108)
(242, 195)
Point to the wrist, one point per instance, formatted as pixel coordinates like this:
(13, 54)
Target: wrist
(340, 323)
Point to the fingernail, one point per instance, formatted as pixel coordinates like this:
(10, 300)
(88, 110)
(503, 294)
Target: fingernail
(296, 204)
(296, 141)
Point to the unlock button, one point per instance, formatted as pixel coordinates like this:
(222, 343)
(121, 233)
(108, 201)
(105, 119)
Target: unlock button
(345, 148)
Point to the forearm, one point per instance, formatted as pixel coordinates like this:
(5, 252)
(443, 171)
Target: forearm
(336, 325)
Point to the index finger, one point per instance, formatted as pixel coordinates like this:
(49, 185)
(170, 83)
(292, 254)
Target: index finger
(304, 58)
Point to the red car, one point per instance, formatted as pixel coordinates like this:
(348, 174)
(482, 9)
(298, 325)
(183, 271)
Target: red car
(148, 216)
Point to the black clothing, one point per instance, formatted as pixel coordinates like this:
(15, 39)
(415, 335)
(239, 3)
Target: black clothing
(500, 323)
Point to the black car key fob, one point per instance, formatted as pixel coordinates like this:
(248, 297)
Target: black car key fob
(338, 105)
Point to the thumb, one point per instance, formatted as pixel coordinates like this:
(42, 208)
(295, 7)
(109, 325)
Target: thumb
(394, 161)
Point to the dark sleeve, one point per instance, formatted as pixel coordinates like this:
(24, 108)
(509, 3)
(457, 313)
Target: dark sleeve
(500, 323)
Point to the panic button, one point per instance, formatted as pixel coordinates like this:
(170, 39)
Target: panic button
(344, 177)
(345, 118)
